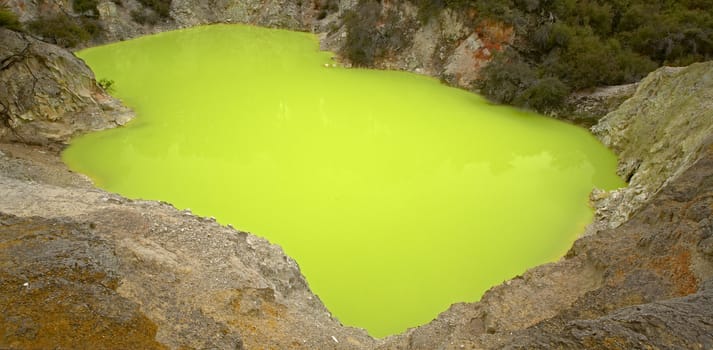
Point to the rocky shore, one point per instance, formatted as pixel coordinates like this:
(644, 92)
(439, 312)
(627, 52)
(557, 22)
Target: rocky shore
(82, 268)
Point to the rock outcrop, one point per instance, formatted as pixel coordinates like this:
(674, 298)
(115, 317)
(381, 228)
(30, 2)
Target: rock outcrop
(451, 45)
(119, 20)
(587, 107)
(80, 266)
(658, 134)
(48, 95)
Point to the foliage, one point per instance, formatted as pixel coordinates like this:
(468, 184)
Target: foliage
(8, 19)
(106, 84)
(577, 44)
(546, 94)
(60, 30)
(86, 7)
(506, 77)
(160, 7)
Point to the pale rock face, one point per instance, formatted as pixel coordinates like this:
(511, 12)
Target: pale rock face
(272, 13)
(678, 103)
(476, 51)
(48, 95)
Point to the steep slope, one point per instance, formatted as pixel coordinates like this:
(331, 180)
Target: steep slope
(677, 105)
(624, 285)
(48, 95)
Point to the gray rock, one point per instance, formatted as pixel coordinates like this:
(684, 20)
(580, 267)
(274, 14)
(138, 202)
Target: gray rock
(48, 95)
(116, 273)
(657, 134)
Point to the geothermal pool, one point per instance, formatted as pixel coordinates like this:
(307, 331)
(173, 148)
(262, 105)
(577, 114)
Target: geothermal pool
(397, 196)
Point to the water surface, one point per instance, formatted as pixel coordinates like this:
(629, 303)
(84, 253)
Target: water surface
(397, 196)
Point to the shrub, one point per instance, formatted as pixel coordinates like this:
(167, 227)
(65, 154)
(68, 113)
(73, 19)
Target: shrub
(588, 61)
(544, 95)
(8, 19)
(91, 26)
(161, 7)
(88, 7)
(106, 84)
(577, 44)
(60, 30)
(506, 76)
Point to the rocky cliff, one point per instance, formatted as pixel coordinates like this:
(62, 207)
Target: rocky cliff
(657, 149)
(124, 19)
(451, 45)
(641, 280)
(48, 95)
(81, 266)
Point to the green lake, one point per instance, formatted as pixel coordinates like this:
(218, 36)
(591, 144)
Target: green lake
(397, 195)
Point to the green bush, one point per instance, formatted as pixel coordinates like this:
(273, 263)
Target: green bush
(91, 26)
(587, 43)
(545, 95)
(60, 30)
(506, 77)
(106, 84)
(8, 19)
(577, 44)
(65, 31)
(86, 7)
(588, 61)
(161, 7)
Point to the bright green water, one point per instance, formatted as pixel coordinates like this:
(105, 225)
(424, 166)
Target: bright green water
(396, 195)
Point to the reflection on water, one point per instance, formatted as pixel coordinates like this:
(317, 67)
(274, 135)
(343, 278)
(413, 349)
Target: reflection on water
(396, 195)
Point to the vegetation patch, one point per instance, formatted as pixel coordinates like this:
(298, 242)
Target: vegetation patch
(86, 7)
(65, 31)
(161, 7)
(578, 44)
(8, 19)
(106, 84)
